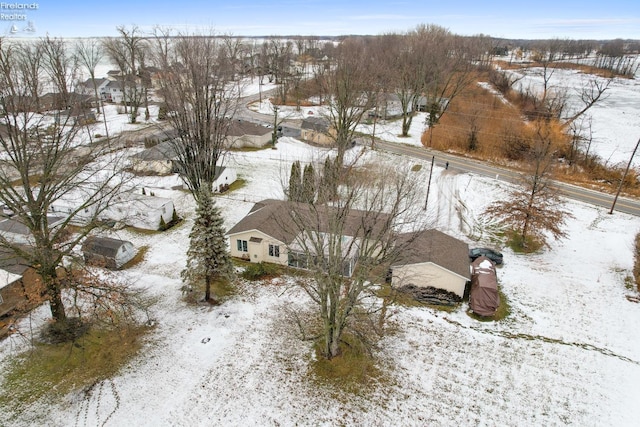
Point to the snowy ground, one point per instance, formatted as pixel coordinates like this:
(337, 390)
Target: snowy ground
(567, 354)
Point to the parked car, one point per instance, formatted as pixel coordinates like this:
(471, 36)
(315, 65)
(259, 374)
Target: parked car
(494, 256)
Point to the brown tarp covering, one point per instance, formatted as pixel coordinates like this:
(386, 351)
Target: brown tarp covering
(484, 299)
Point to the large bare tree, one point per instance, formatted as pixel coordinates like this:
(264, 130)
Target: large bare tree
(343, 244)
(349, 92)
(42, 162)
(201, 100)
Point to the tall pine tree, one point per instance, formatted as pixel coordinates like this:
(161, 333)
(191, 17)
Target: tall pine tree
(295, 182)
(308, 185)
(207, 257)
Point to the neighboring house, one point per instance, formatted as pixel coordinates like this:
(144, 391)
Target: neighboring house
(246, 134)
(107, 252)
(87, 87)
(16, 232)
(432, 258)
(484, 298)
(316, 130)
(268, 233)
(113, 91)
(161, 160)
(157, 160)
(16, 280)
(139, 210)
(388, 106)
(225, 176)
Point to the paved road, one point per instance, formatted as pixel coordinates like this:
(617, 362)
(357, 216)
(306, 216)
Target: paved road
(292, 128)
(597, 198)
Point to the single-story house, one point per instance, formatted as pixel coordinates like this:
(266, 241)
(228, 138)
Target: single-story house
(161, 160)
(484, 298)
(269, 233)
(316, 130)
(432, 258)
(157, 160)
(225, 176)
(139, 210)
(15, 231)
(107, 252)
(246, 134)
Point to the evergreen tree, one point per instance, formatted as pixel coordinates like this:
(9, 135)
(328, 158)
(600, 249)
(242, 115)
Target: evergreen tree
(308, 185)
(328, 183)
(295, 182)
(207, 257)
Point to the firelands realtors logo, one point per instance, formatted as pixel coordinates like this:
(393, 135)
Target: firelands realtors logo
(19, 15)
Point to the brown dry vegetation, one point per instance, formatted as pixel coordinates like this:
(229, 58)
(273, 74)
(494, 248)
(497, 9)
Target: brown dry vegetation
(482, 125)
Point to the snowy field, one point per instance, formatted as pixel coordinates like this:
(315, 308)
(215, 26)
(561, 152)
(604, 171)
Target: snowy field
(567, 354)
(615, 118)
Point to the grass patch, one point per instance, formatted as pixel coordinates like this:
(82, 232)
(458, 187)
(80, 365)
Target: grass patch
(528, 245)
(416, 168)
(142, 252)
(355, 371)
(53, 370)
(221, 290)
(237, 184)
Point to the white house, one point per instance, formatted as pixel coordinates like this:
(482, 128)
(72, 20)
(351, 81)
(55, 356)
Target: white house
(139, 210)
(87, 87)
(247, 134)
(432, 258)
(16, 232)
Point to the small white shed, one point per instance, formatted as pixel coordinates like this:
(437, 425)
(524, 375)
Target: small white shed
(107, 252)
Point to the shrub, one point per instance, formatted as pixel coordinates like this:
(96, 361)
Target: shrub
(259, 271)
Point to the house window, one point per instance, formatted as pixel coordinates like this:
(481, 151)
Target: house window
(242, 245)
(274, 250)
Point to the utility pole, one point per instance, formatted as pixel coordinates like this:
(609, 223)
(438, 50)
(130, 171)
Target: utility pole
(274, 135)
(615, 199)
(426, 200)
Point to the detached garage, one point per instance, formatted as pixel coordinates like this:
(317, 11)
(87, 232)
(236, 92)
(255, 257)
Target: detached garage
(432, 258)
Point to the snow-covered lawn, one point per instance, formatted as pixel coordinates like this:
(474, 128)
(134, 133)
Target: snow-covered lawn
(567, 353)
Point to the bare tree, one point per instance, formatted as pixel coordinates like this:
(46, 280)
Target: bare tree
(42, 164)
(201, 101)
(345, 242)
(127, 52)
(534, 208)
(348, 92)
(89, 53)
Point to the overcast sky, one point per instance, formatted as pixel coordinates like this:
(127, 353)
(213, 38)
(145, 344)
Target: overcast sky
(533, 19)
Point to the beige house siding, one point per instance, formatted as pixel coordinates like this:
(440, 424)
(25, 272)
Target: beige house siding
(429, 274)
(157, 167)
(316, 137)
(257, 245)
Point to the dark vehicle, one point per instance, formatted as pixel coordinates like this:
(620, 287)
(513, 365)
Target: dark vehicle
(494, 256)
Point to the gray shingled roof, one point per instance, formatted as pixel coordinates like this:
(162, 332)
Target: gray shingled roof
(242, 128)
(275, 218)
(104, 246)
(437, 247)
(316, 124)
